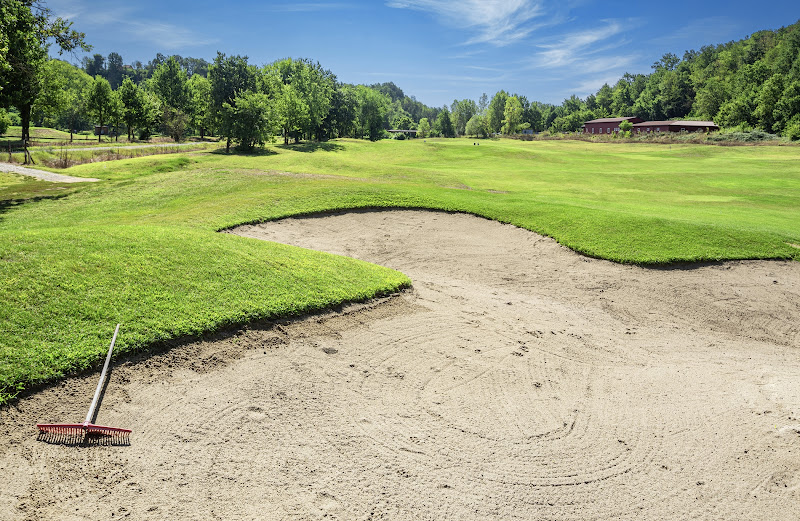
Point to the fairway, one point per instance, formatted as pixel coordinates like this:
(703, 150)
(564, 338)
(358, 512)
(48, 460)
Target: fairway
(141, 246)
(516, 380)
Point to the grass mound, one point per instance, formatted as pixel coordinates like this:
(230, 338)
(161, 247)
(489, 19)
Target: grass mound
(64, 289)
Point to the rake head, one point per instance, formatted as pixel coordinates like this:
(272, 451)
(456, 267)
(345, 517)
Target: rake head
(75, 432)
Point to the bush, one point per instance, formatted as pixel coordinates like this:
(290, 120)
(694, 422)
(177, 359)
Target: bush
(175, 122)
(5, 121)
(16, 121)
(792, 130)
(400, 136)
(751, 136)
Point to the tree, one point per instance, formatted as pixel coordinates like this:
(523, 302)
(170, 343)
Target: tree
(169, 83)
(200, 103)
(131, 97)
(403, 123)
(483, 103)
(496, 111)
(52, 98)
(626, 127)
(462, 111)
(27, 27)
(604, 98)
(767, 100)
(229, 76)
(116, 111)
(151, 114)
(512, 122)
(312, 84)
(444, 125)
(95, 66)
(99, 102)
(423, 128)
(114, 70)
(292, 112)
(251, 120)
(342, 117)
(373, 106)
(477, 126)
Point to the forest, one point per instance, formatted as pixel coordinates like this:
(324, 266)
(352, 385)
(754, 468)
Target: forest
(750, 84)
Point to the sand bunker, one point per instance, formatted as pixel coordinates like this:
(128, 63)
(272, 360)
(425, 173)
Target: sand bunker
(517, 380)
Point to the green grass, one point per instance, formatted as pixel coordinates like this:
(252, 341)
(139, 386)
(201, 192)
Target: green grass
(43, 137)
(141, 247)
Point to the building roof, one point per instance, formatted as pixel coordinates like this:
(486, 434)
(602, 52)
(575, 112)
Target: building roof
(676, 124)
(611, 120)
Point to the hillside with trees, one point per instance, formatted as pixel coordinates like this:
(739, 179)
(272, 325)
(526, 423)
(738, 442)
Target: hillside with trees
(753, 83)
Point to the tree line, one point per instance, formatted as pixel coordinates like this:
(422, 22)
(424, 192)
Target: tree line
(753, 83)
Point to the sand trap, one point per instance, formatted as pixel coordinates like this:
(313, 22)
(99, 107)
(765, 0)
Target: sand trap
(517, 380)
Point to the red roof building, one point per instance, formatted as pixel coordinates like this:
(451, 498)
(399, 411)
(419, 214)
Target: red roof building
(606, 125)
(674, 126)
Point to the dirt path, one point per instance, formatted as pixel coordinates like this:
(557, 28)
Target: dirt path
(43, 175)
(517, 380)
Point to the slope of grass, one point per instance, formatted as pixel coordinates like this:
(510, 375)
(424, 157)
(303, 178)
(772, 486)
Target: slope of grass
(141, 248)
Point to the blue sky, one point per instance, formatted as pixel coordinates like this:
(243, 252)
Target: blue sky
(435, 50)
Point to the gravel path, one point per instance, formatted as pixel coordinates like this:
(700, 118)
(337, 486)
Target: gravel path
(44, 176)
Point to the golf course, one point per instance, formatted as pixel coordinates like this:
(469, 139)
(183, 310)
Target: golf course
(408, 329)
(142, 247)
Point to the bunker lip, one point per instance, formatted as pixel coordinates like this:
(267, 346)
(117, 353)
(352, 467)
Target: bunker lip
(515, 379)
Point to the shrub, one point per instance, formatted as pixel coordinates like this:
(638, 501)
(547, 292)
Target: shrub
(5, 121)
(792, 130)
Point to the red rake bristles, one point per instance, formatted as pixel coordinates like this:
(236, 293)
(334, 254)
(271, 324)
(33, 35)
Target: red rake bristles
(72, 431)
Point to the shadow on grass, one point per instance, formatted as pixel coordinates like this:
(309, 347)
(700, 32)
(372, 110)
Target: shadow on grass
(256, 152)
(313, 146)
(6, 205)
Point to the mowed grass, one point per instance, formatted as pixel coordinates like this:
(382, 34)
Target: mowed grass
(141, 247)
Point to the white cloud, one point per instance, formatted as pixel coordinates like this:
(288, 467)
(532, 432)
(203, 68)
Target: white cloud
(168, 36)
(126, 18)
(499, 22)
(576, 47)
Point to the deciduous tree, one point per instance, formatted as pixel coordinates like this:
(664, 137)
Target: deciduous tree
(252, 122)
(423, 128)
(28, 27)
(229, 76)
(98, 103)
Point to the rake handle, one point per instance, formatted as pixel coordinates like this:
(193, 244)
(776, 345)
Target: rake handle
(96, 398)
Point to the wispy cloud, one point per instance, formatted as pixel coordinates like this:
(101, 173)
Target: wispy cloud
(127, 19)
(498, 22)
(450, 78)
(308, 7)
(168, 36)
(575, 47)
(709, 30)
(590, 58)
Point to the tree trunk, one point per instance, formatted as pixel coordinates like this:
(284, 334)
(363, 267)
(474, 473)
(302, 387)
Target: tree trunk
(100, 131)
(25, 116)
(228, 146)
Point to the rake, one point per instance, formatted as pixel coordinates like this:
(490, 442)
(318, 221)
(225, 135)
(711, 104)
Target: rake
(87, 428)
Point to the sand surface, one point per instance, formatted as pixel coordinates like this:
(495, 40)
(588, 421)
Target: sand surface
(516, 380)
